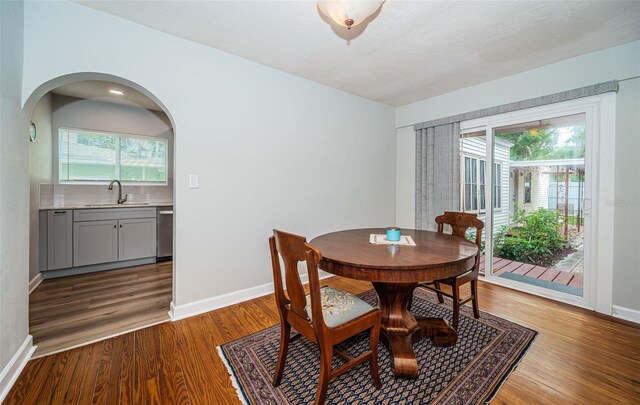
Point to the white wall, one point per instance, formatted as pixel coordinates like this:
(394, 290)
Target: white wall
(271, 149)
(40, 171)
(14, 195)
(614, 63)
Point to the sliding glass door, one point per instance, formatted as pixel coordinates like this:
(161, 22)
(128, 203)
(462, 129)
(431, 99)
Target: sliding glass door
(529, 179)
(538, 190)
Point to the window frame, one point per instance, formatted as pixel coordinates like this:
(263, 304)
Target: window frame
(119, 135)
(480, 184)
(473, 183)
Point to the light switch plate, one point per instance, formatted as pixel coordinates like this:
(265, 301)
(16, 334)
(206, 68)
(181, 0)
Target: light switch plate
(193, 181)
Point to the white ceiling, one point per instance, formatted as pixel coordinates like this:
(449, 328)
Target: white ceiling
(99, 91)
(409, 51)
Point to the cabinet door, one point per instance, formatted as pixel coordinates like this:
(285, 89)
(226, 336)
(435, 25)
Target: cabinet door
(136, 238)
(95, 242)
(59, 239)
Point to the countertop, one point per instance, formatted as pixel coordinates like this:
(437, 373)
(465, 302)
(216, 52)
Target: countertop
(77, 206)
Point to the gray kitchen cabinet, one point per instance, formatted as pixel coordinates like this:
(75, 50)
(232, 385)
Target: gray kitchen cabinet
(59, 248)
(87, 240)
(136, 238)
(95, 242)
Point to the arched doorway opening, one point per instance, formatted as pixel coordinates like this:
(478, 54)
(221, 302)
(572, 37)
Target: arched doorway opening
(94, 240)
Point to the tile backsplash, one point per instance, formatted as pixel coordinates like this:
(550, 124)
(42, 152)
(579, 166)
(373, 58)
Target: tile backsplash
(60, 195)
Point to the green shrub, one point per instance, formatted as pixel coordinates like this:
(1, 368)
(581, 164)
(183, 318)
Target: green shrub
(532, 236)
(470, 235)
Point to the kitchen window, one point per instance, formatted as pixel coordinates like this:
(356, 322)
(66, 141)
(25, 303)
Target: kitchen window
(474, 184)
(86, 156)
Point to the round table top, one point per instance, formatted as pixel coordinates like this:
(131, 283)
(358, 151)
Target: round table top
(435, 256)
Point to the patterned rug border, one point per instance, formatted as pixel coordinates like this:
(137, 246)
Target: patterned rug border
(489, 394)
(232, 374)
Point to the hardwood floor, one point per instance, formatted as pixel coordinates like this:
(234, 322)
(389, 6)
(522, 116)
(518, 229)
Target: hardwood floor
(579, 357)
(70, 311)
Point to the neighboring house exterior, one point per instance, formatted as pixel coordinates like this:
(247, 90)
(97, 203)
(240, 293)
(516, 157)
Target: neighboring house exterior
(525, 184)
(534, 189)
(473, 170)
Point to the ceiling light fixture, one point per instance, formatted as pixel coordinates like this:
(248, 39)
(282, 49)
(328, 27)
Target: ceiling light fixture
(349, 13)
(117, 92)
(536, 128)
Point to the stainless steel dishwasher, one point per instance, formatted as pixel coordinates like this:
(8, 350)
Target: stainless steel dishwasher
(165, 234)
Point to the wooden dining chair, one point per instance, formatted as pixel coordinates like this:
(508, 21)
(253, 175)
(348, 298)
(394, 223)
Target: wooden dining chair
(459, 223)
(327, 316)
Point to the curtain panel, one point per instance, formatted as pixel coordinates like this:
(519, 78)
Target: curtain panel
(437, 173)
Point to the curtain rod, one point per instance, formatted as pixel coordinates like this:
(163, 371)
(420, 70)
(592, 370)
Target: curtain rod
(586, 91)
(628, 78)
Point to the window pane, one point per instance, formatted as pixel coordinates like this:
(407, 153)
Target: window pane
(482, 182)
(473, 171)
(474, 184)
(87, 156)
(474, 198)
(527, 188)
(143, 160)
(497, 185)
(467, 170)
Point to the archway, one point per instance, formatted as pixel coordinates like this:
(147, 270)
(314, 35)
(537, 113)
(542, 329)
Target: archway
(44, 89)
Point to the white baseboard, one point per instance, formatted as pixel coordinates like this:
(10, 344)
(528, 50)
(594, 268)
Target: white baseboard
(627, 314)
(12, 370)
(178, 312)
(35, 282)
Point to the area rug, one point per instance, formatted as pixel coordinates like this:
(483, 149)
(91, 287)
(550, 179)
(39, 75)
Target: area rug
(470, 372)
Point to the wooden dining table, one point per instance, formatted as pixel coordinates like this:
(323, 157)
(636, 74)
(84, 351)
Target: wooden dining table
(395, 272)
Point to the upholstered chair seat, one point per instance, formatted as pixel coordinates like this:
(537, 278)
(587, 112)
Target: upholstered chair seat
(339, 307)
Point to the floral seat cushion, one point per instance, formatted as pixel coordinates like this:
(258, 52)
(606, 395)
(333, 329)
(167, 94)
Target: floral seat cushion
(339, 307)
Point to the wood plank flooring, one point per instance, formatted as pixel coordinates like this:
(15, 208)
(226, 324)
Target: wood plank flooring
(70, 311)
(579, 357)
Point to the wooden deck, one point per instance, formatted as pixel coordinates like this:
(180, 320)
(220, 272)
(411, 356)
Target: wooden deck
(529, 270)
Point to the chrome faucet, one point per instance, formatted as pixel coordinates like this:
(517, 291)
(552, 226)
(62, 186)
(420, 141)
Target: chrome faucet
(120, 199)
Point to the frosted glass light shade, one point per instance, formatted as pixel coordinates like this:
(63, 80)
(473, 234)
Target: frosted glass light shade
(341, 11)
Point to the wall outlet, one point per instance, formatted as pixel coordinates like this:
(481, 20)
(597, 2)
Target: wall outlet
(193, 181)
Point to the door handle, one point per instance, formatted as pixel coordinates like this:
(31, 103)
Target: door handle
(587, 207)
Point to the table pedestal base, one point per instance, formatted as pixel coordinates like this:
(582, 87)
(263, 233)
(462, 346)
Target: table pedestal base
(401, 328)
